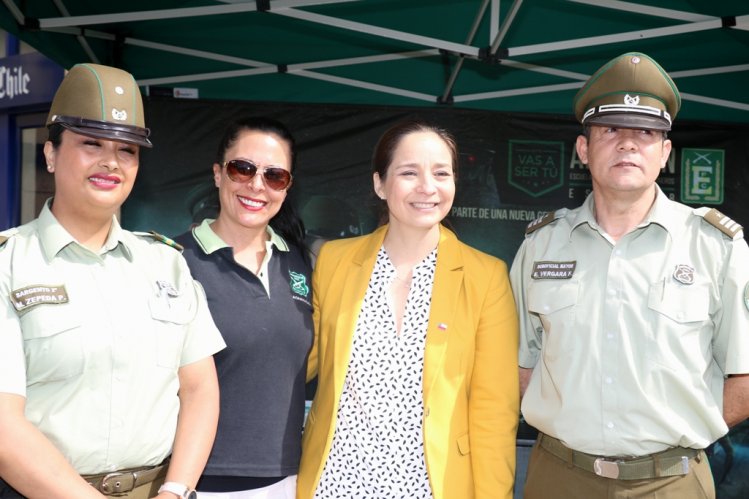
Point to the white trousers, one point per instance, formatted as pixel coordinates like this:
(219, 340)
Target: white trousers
(285, 489)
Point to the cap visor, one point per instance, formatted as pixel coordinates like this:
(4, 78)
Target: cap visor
(118, 135)
(630, 120)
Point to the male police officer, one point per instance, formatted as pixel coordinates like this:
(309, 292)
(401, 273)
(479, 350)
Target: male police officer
(634, 312)
(106, 341)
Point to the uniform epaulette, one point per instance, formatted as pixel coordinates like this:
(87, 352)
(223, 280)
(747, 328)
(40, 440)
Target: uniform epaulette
(6, 235)
(161, 238)
(721, 222)
(544, 220)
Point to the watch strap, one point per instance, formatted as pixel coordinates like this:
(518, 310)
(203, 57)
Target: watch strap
(179, 489)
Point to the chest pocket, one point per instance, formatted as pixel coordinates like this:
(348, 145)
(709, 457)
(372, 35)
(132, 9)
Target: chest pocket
(171, 317)
(551, 303)
(53, 343)
(681, 323)
(680, 303)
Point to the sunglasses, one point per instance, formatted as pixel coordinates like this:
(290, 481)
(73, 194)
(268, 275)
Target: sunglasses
(242, 171)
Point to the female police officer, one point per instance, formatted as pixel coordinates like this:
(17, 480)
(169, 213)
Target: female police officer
(106, 342)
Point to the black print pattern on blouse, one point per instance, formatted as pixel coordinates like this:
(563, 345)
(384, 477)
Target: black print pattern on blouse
(377, 450)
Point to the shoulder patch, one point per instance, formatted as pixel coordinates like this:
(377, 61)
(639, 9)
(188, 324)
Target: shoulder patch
(722, 223)
(543, 221)
(161, 238)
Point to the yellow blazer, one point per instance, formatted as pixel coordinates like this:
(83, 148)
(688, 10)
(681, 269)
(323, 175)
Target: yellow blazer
(470, 377)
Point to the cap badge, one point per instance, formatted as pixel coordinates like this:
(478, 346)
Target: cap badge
(631, 101)
(119, 115)
(684, 274)
(119, 90)
(635, 60)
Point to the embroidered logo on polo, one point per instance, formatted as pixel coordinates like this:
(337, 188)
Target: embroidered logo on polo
(553, 270)
(684, 273)
(298, 284)
(37, 294)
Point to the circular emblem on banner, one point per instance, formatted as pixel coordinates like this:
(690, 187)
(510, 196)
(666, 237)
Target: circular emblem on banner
(684, 274)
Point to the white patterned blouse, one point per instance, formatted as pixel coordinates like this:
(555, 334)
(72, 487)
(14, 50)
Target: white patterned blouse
(377, 450)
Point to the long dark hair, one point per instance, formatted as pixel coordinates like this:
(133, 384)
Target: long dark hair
(286, 222)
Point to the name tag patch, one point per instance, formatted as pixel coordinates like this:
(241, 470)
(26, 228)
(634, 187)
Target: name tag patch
(37, 294)
(553, 270)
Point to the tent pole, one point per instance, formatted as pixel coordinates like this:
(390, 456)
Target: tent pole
(505, 26)
(81, 39)
(459, 64)
(15, 11)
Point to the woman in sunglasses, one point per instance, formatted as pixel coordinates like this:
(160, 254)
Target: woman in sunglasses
(253, 264)
(416, 346)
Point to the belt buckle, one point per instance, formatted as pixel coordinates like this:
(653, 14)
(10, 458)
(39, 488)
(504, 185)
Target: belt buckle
(606, 469)
(123, 482)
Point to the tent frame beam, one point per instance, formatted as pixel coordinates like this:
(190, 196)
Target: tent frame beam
(687, 23)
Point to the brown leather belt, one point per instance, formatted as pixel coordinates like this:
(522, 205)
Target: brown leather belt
(120, 482)
(670, 462)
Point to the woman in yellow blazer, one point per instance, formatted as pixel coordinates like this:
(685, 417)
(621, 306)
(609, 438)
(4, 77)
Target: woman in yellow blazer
(415, 346)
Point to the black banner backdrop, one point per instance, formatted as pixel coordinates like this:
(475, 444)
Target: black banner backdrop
(513, 168)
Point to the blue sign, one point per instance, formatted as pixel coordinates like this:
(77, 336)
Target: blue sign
(28, 79)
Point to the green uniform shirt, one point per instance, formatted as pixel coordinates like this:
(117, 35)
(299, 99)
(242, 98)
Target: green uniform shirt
(630, 340)
(94, 340)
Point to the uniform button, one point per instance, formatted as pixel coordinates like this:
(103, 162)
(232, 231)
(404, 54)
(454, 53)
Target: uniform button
(611, 292)
(609, 425)
(610, 335)
(609, 380)
(618, 252)
(546, 308)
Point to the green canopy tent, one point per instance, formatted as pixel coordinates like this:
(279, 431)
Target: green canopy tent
(516, 56)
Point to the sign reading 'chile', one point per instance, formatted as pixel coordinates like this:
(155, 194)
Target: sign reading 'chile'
(28, 79)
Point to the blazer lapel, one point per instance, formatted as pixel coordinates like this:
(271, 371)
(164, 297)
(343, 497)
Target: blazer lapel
(352, 298)
(448, 281)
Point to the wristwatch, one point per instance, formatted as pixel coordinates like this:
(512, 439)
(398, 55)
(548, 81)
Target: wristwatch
(181, 490)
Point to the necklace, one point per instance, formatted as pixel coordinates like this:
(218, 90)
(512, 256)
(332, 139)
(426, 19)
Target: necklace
(406, 283)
